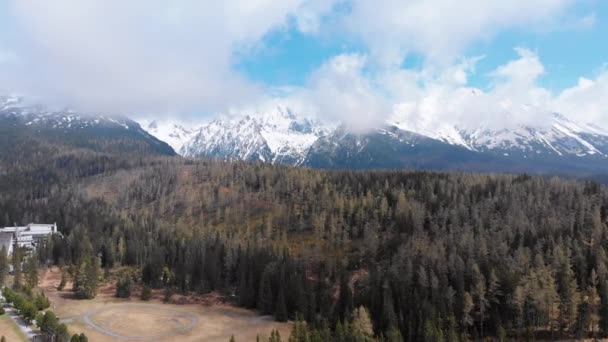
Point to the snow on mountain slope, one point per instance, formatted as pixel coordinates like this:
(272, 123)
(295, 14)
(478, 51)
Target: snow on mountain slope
(560, 136)
(276, 136)
(41, 116)
(84, 130)
(7, 102)
(174, 133)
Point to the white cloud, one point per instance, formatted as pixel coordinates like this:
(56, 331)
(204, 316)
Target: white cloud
(341, 91)
(515, 98)
(587, 101)
(158, 56)
(442, 29)
(143, 55)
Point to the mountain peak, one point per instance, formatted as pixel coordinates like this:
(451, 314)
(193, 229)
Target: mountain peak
(277, 135)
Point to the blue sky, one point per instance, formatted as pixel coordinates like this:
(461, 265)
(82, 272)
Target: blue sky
(350, 60)
(569, 52)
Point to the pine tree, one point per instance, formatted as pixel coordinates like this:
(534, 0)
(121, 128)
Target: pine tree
(17, 259)
(394, 335)
(4, 267)
(568, 294)
(479, 296)
(603, 310)
(389, 318)
(280, 312)
(123, 287)
(362, 327)
(344, 306)
(265, 297)
(87, 278)
(63, 282)
(31, 271)
(62, 333)
(275, 336)
(299, 332)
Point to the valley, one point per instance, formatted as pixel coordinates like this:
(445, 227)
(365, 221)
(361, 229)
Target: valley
(303, 171)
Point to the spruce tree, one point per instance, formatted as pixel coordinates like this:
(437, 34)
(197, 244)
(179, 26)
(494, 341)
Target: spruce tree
(17, 259)
(4, 266)
(31, 272)
(265, 297)
(603, 311)
(280, 313)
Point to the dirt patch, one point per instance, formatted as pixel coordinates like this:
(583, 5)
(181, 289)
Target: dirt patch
(140, 322)
(9, 330)
(133, 319)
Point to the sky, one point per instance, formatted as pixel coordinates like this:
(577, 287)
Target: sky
(360, 62)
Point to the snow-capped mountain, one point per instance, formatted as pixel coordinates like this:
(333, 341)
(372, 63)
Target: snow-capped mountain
(276, 136)
(559, 136)
(176, 134)
(68, 127)
(281, 136)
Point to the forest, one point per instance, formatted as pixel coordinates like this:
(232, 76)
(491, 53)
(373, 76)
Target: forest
(350, 255)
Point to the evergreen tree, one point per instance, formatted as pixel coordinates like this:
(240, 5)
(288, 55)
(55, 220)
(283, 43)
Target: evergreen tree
(603, 310)
(275, 336)
(344, 306)
(280, 312)
(63, 281)
(62, 334)
(362, 328)
(4, 266)
(265, 297)
(568, 294)
(123, 287)
(87, 278)
(146, 293)
(299, 332)
(31, 271)
(17, 260)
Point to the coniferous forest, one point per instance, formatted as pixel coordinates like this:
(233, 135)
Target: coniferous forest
(352, 255)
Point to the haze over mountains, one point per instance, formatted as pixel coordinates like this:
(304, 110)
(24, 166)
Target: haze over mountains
(282, 136)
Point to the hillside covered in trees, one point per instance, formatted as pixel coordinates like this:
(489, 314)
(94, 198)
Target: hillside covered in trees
(430, 256)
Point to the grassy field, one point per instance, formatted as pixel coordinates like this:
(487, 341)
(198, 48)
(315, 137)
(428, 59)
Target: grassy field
(107, 318)
(10, 330)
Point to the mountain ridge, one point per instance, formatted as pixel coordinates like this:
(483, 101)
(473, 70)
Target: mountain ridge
(64, 127)
(281, 136)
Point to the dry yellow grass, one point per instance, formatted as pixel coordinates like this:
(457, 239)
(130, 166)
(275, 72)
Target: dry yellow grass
(10, 331)
(154, 320)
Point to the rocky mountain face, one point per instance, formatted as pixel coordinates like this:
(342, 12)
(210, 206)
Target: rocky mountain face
(176, 134)
(281, 136)
(277, 136)
(23, 122)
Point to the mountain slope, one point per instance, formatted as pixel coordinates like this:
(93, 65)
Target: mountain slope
(277, 136)
(22, 123)
(176, 134)
(280, 136)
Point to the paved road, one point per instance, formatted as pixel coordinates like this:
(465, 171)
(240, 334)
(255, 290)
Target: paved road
(12, 313)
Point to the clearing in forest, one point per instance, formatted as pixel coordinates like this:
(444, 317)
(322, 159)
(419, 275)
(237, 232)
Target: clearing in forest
(107, 318)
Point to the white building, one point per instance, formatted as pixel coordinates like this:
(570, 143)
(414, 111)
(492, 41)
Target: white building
(28, 236)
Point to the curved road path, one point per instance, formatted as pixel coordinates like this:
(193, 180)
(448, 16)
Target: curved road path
(87, 318)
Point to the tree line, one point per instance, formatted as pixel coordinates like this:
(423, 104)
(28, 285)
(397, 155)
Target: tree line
(430, 256)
